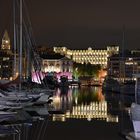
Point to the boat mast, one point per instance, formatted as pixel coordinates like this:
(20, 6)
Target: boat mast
(20, 49)
(14, 19)
(122, 59)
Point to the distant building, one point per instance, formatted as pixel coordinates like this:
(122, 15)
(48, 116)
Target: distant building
(56, 64)
(123, 68)
(6, 58)
(9, 66)
(93, 56)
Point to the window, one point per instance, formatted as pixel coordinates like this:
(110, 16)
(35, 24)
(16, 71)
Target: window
(5, 58)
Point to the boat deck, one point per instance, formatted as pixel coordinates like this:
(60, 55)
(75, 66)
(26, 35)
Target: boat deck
(131, 136)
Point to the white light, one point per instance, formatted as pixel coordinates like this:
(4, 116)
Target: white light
(6, 41)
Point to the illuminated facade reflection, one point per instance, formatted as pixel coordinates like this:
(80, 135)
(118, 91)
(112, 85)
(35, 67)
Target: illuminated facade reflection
(82, 104)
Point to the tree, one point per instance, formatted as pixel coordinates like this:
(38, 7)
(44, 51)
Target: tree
(85, 69)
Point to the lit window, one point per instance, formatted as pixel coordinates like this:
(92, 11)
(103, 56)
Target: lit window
(5, 58)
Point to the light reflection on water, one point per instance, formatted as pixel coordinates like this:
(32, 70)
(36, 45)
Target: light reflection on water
(78, 106)
(81, 103)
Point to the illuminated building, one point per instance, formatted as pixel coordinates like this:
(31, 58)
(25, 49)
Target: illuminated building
(123, 68)
(57, 65)
(9, 66)
(6, 42)
(93, 56)
(6, 58)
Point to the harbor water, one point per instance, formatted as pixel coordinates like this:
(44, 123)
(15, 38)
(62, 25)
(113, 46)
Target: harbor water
(78, 114)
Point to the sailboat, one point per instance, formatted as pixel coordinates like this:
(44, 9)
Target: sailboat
(135, 108)
(20, 37)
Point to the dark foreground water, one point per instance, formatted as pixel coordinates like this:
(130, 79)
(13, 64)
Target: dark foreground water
(79, 114)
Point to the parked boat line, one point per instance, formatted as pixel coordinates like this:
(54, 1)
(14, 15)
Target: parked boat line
(127, 88)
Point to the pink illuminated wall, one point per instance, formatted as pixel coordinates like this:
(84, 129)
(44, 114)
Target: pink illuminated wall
(37, 75)
(68, 74)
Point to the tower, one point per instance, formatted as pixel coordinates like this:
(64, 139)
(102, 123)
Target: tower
(5, 41)
(6, 58)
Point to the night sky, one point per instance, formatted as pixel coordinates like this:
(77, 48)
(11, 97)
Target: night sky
(79, 23)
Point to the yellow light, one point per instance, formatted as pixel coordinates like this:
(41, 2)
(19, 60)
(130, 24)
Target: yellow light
(6, 41)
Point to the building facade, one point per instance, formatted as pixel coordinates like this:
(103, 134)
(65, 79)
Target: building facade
(123, 68)
(93, 56)
(6, 58)
(55, 65)
(60, 66)
(9, 60)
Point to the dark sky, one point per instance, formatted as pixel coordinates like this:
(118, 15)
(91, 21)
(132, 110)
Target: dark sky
(79, 23)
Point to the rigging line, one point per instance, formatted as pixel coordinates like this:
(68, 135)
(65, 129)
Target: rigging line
(45, 127)
(123, 78)
(37, 64)
(27, 31)
(20, 21)
(30, 24)
(15, 45)
(30, 31)
(29, 43)
(41, 130)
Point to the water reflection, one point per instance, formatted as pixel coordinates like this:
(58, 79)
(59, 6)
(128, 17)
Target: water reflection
(81, 103)
(86, 103)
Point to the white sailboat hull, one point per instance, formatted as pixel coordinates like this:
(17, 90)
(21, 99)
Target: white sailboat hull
(135, 113)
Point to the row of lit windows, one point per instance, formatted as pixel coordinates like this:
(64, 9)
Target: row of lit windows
(93, 62)
(102, 63)
(56, 49)
(92, 54)
(5, 58)
(90, 58)
(91, 109)
(109, 49)
(84, 53)
(102, 51)
(4, 66)
(88, 115)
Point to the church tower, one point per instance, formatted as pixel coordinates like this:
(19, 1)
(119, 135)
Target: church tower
(6, 58)
(5, 41)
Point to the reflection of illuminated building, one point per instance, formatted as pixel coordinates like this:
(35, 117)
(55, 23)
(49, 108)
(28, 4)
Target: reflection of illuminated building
(93, 56)
(63, 99)
(93, 110)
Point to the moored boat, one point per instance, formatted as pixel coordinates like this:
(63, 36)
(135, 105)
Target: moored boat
(135, 108)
